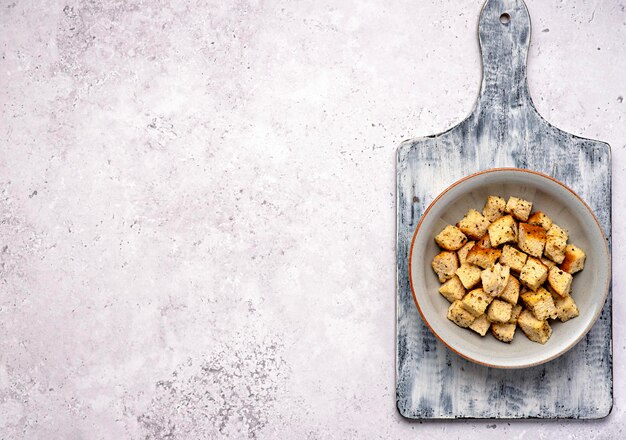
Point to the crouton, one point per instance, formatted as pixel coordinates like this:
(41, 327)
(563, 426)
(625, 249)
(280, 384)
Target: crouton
(482, 254)
(452, 289)
(445, 264)
(518, 208)
(540, 302)
(536, 330)
(557, 232)
(503, 332)
(556, 241)
(547, 262)
(534, 273)
(476, 302)
(480, 325)
(503, 230)
(510, 293)
(462, 253)
(566, 308)
(484, 242)
(540, 219)
(494, 208)
(495, 279)
(515, 311)
(460, 316)
(531, 239)
(474, 225)
(469, 275)
(574, 260)
(560, 281)
(513, 258)
(451, 238)
(499, 311)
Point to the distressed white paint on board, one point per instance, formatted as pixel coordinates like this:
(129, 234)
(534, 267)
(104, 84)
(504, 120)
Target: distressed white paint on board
(504, 130)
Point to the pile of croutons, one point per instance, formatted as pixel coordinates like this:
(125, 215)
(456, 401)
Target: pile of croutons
(507, 267)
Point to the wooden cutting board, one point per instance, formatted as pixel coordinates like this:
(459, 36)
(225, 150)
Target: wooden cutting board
(503, 130)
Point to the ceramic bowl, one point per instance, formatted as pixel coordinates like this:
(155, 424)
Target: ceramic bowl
(589, 288)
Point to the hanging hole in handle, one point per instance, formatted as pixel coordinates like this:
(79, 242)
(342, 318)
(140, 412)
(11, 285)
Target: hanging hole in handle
(505, 18)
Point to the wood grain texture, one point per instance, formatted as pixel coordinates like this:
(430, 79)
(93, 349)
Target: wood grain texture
(503, 130)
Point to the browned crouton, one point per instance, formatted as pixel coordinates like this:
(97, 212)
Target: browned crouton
(494, 208)
(474, 225)
(536, 330)
(503, 332)
(462, 253)
(540, 219)
(480, 325)
(532, 239)
(560, 281)
(469, 275)
(460, 316)
(452, 289)
(503, 230)
(476, 302)
(445, 265)
(513, 258)
(519, 208)
(574, 260)
(482, 254)
(499, 311)
(556, 241)
(451, 238)
(540, 302)
(511, 292)
(534, 273)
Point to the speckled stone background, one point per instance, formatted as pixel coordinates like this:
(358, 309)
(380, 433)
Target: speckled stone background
(198, 213)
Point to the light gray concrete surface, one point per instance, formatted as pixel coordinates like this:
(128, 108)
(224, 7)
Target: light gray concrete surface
(197, 209)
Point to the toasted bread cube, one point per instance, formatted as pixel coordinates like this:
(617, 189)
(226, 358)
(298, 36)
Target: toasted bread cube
(462, 253)
(560, 281)
(532, 239)
(556, 241)
(474, 225)
(547, 262)
(503, 332)
(469, 275)
(557, 232)
(451, 238)
(540, 302)
(484, 242)
(519, 208)
(499, 311)
(534, 273)
(480, 325)
(452, 289)
(460, 316)
(445, 264)
(510, 293)
(495, 279)
(482, 254)
(540, 219)
(513, 258)
(503, 230)
(476, 302)
(574, 259)
(515, 311)
(536, 330)
(494, 208)
(566, 308)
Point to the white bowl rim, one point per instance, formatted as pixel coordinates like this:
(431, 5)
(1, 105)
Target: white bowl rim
(582, 334)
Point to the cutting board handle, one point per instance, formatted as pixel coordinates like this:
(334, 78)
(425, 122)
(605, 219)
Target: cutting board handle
(504, 35)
